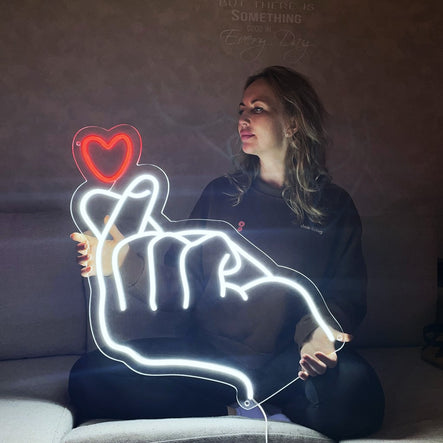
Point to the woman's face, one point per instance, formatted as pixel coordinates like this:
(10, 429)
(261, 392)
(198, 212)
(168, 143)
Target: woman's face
(262, 125)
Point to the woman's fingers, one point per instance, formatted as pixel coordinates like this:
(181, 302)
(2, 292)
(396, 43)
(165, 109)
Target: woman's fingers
(83, 259)
(83, 241)
(87, 250)
(303, 375)
(82, 245)
(312, 365)
(329, 360)
(78, 237)
(83, 249)
(343, 337)
(318, 353)
(86, 271)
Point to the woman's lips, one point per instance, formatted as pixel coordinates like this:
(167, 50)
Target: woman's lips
(245, 136)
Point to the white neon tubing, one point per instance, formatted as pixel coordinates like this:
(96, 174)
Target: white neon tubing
(151, 269)
(125, 350)
(189, 238)
(205, 236)
(165, 362)
(83, 208)
(153, 200)
(221, 281)
(302, 291)
(181, 235)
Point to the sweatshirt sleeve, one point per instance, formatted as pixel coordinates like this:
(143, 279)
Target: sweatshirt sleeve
(344, 284)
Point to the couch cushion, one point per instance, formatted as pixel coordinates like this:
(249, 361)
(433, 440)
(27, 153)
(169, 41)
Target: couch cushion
(39, 378)
(414, 393)
(24, 420)
(34, 402)
(198, 430)
(42, 304)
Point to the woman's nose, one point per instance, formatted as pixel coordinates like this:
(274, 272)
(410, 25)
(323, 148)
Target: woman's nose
(242, 124)
(244, 120)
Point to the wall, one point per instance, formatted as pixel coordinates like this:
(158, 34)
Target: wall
(174, 69)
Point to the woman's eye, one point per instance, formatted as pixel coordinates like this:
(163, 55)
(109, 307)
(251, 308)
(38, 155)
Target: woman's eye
(255, 110)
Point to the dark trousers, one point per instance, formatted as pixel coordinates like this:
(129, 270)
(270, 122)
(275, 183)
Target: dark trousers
(346, 402)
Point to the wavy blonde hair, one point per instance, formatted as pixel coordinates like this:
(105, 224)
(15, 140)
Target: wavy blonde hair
(305, 162)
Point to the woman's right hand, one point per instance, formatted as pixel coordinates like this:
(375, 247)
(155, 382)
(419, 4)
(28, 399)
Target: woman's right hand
(87, 250)
(318, 353)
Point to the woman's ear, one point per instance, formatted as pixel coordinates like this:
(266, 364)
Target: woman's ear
(291, 129)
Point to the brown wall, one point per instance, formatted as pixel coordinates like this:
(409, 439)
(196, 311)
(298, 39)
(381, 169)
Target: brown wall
(175, 68)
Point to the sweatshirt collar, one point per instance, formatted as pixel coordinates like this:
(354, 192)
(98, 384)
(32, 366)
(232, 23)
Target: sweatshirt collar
(259, 185)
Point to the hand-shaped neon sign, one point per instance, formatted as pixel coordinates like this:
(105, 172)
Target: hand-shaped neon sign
(149, 184)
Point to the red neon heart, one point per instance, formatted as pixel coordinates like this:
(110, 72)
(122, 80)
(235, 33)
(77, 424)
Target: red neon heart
(108, 146)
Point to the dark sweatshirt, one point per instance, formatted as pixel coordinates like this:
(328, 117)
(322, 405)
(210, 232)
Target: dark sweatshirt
(329, 254)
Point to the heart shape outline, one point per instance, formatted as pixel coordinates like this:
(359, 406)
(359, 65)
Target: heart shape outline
(84, 149)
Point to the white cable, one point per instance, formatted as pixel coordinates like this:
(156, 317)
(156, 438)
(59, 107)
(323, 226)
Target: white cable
(266, 421)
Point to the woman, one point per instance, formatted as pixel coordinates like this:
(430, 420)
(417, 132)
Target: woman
(282, 200)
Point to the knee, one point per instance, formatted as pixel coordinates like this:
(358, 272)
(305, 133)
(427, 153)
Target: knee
(85, 377)
(78, 380)
(361, 401)
(350, 398)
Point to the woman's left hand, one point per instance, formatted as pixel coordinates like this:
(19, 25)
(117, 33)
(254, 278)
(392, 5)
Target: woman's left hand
(318, 353)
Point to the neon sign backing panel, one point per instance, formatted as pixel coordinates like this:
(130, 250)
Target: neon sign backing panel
(115, 183)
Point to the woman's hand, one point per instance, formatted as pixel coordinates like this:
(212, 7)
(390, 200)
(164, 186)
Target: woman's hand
(318, 353)
(87, 250)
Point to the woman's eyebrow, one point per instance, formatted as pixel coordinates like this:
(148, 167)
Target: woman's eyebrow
(253, 101)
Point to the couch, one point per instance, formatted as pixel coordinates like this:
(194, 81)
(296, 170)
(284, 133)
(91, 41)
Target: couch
(44, 330)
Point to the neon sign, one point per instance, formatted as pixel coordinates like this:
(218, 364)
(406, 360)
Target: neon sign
(85, 150)
(241, 268)
(96, 150)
